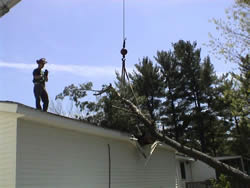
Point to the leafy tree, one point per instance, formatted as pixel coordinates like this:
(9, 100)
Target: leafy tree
(221, 183)
(219, 166)
(181, 97)
(233, 44)
(106, 111)
(178, 94)
(87, 110)
(238, 96)
(233, 41)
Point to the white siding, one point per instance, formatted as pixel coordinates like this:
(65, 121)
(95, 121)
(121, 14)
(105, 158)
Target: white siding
(7, 151)
(123, 165)
(188, 171)
(130, 170)
(202, 171)
(160, 171)
(50, 157)
(55, 158)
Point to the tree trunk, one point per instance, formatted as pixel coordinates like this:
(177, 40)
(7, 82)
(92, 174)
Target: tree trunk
(217, 165)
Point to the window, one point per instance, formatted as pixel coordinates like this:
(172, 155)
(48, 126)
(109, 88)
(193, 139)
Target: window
(183, 172)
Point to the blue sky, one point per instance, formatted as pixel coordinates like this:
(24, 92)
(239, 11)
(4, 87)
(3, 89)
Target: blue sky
(81, 39)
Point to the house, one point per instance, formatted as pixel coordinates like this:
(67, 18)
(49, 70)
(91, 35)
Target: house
(44, 150)
(6, 5)
(195, 173)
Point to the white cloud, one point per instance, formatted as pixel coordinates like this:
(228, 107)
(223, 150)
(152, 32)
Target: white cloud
(79, 70)
(17, 65)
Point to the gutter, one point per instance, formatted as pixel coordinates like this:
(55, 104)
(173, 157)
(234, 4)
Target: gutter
(30, 114)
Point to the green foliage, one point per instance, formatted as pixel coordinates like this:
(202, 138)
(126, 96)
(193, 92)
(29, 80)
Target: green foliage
(236, 95)
(149, 87)
(221, 183)
(174, 115)
(233, 44)
(232, 39)
(84, 108)
(182, 95)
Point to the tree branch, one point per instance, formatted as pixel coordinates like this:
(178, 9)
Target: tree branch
(221, 167)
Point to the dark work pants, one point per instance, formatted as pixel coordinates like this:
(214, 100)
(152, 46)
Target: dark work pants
(41, 93)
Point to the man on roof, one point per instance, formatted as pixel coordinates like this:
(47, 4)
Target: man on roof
(39, 79)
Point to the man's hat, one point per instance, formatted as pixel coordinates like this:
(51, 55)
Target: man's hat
(42, 60)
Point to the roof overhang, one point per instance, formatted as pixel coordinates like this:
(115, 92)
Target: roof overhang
(222, 158)
(182, 157)
(24, 112)
(6, 5)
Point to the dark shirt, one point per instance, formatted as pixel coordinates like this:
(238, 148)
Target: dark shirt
(38, 72)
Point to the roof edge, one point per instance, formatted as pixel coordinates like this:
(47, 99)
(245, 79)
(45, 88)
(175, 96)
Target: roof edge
(8, 106)
(57, 121)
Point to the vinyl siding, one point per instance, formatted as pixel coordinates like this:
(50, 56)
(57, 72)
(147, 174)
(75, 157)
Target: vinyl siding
(7, 151)
(50, 157)
(160, 170)
(201, 171)
(188, 171)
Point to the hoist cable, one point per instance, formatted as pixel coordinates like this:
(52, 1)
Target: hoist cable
(124, 51)
(124, 20)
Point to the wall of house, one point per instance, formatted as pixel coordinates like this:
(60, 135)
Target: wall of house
(7, 150)
(188, 172)
(50, 157)
(201, 171)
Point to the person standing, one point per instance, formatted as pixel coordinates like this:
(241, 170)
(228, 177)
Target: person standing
(39, 79)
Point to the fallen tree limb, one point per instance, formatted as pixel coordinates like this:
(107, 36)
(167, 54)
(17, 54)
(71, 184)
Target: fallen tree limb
(217, 165)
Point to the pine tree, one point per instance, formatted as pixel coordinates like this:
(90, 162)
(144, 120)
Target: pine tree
(149, 87)
(174, 113)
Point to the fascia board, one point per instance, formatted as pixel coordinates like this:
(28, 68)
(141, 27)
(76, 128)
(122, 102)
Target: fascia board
(30, 114)
(228, 157)
(8, 107)
(10, 115)
(67, 123)
(166, 147)
(184, 158)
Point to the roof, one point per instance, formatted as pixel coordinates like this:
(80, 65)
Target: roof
(231, 157)
(183, 157)
(24, 112)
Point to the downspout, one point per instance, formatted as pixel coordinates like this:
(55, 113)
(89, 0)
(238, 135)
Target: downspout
(242, 164)
(109, 166)
(177, 174)
(191, 171)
